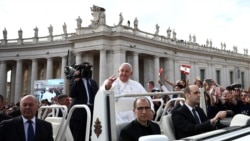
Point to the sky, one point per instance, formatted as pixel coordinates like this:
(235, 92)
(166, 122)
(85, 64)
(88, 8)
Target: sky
(225, 21)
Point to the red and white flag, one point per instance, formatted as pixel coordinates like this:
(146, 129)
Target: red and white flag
(160, 71)
(185, 69)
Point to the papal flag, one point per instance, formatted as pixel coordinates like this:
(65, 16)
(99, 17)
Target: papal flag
(185, 69)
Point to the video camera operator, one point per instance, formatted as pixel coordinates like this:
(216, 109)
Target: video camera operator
(83, 91)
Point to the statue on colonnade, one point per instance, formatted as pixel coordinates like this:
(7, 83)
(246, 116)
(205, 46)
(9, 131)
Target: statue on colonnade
(136, 23)
(79, 22)
(190, 38)
(64, 28)
(235, 48)
(194, 38)
(224, 45)
(245, 51)
(157, 27)
(102, 20)
(20, 33)
(120, 19)
(50, 28)
(207, 43)
(211, 43)
(168, 33)
(36, 32)
(99, 16)
(174, 35)
(5, 34)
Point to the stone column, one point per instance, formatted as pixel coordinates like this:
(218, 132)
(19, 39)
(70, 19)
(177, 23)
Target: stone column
(210, 72)
(66, 83)
(135, 66)
(78, 58)
(192, 74)
(225, 77)
(34, 73)
(3, 78)
(119, 57)
(12, 84)
(88, 58)
(49, 70)
(103, 66)
(156, 68)
(63, 65)
(18, 81)
(166, 71)
(170, 69)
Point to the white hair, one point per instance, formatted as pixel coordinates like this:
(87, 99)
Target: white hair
(127, 64)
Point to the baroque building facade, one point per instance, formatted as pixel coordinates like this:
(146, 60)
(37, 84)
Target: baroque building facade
(106, 47)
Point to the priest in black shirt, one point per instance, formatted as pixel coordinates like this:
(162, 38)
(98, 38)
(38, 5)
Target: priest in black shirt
(141, 126)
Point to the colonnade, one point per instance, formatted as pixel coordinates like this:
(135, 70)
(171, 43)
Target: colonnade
(105, 63)
(47, 68)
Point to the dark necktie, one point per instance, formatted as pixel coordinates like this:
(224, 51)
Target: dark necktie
(90, 91)
(31, 133)
(195, 116)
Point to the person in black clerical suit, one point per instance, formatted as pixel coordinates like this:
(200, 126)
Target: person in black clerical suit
(189, 119)
(141, 126)
(18, 128)
(83, 91)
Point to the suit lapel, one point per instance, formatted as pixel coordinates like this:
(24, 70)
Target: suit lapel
(202, 115)
(189, 114)
(37, 132)
(20, 129)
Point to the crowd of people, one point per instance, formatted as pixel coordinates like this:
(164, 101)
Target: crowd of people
(188, 118)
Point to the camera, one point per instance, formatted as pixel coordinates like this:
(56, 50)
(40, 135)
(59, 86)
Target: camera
(84, 69)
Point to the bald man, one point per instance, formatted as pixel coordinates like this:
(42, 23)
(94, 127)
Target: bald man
(16, 129)
(190, 119)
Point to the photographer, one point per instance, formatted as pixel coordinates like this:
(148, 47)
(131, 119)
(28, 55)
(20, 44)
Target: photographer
(83, 91)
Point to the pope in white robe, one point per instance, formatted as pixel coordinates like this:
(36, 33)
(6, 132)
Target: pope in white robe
(124, 85)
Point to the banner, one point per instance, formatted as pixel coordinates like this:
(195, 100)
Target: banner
(185, 69)
(48, 89)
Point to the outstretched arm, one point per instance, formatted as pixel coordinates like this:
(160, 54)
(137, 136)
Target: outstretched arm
(168, 82)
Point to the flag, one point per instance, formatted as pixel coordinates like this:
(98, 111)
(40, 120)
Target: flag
(160, 71)
(185, 69)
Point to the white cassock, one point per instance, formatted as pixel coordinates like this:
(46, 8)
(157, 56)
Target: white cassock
(119, 87)
(48, 95)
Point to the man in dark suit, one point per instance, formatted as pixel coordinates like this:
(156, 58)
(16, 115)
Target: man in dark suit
(18, 129)
(83, 91)
(141, 126)
(189, 119)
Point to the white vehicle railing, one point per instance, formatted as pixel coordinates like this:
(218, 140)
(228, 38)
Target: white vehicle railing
(52, 112)
(61, 128)
(88, 119)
